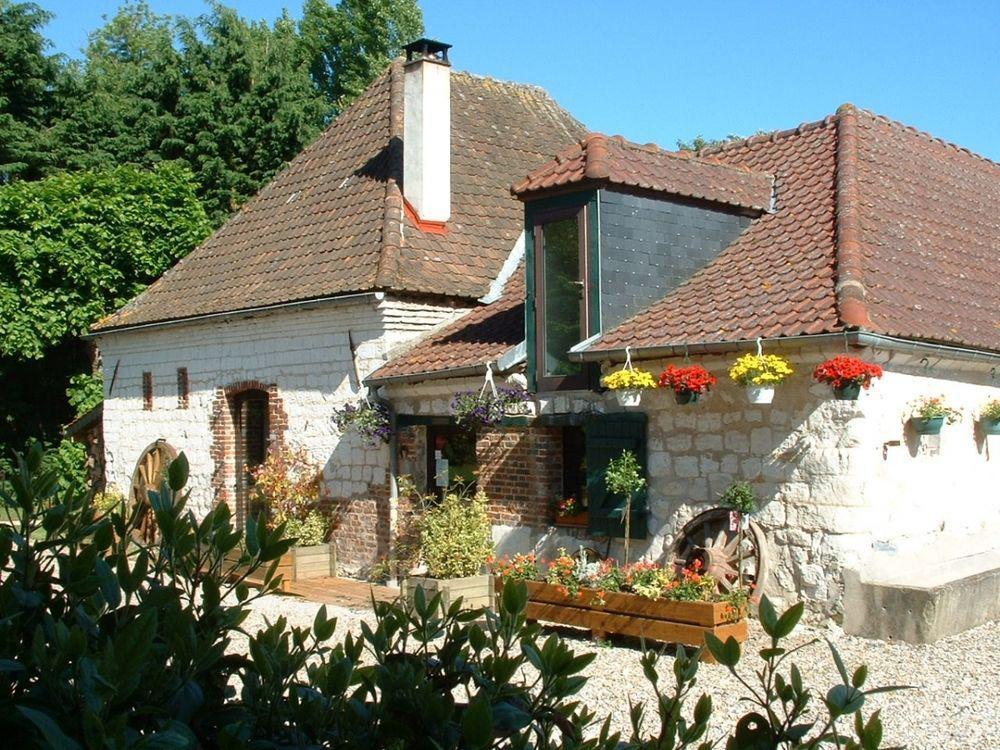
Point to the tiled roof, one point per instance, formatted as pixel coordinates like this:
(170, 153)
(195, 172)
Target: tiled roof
(877, 227)
(333, 221)
(599, 159)
(480, 336)
(777, 278)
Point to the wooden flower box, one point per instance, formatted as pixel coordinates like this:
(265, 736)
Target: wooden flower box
(476, 591)
(298, 564)
(607, 613)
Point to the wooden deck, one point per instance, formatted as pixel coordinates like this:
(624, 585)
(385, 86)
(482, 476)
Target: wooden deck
(343, 592)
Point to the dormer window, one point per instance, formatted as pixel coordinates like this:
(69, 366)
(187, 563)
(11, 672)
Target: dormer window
(563, 295)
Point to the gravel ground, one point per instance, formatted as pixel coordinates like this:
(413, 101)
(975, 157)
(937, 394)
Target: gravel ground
(955, 706)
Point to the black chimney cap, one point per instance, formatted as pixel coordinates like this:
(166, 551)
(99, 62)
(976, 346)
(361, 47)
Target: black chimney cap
(427, 49)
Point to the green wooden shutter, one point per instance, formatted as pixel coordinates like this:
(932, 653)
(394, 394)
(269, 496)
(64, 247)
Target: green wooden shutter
(607, 436)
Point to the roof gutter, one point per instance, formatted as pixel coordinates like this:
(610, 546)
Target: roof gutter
(850, 338)
(242, 312)
(505, 362)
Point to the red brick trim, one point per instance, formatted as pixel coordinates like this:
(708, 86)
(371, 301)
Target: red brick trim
(224, 437)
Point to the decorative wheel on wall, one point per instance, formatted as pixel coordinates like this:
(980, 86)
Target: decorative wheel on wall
(724, 553)
(148, 475)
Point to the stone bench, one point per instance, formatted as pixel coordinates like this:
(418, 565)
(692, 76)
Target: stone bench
(920, 602)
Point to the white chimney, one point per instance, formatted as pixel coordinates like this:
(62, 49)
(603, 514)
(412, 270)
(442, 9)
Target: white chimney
(427, 130)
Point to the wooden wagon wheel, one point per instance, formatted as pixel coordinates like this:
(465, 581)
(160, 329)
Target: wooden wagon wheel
(148, 475)
(724, 553)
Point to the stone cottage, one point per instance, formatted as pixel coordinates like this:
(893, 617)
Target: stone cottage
(446, 225)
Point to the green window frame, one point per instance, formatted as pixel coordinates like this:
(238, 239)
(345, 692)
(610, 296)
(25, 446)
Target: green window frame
(584, 208)
(607, 436)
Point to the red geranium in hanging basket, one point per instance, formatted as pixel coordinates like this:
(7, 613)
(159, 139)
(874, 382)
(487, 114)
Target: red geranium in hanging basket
(847, 375)
(688, 383)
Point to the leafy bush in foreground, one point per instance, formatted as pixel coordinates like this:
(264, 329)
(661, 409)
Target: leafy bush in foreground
(108, 642)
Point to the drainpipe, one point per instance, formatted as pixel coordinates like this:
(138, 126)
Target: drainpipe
(393, 495)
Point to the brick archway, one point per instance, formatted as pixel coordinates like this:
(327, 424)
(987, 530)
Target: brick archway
(223, 451)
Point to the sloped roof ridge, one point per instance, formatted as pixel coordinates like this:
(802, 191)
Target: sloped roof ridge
(922, 134)
(657, 150)
(772, 136)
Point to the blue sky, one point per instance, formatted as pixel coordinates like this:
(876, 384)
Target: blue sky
(659, 71)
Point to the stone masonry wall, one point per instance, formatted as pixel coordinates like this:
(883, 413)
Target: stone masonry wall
(844, 484)
(303, 358)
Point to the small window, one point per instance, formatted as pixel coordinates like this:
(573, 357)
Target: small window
(561, 297)
(182, 388)
(147, 391)
(451, 459)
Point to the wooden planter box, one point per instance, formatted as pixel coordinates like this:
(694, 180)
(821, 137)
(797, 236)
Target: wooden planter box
(476, 591)
(300, 563)
(634, 615)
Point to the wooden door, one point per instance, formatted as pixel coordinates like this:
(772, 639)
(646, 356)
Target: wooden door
(251, 426)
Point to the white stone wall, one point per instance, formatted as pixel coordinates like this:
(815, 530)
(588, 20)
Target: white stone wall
(304, 351)
(844, 484)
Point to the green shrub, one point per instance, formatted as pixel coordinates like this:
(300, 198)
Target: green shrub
(741, 497)
(308, 531)
(106, 642)
(111, 500)
(456, 538)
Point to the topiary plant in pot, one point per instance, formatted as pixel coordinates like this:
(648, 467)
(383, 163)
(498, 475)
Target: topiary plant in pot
(456, 542)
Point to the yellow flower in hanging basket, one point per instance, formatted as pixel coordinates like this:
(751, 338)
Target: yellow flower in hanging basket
(628, 380)
(760, 369)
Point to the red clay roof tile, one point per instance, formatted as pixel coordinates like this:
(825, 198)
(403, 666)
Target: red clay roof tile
(480, 336)
(333, 221)
(600, 159)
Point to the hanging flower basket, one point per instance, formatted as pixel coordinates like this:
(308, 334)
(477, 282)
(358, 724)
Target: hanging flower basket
(628, 383)
(759, 374)
(687, 383)
(369, 419)
(847, 376)
(486, 408)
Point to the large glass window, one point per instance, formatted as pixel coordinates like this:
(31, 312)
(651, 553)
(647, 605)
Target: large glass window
(561, 297)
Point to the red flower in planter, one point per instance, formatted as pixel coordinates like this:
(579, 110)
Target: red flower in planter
(690, 379)
(842, 371)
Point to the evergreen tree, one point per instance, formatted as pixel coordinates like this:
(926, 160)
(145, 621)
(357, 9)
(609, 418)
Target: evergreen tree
(27, 82)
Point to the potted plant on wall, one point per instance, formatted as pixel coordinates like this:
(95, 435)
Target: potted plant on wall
(989, 417)
(847, 376)
(456, 542)
(628, 384)
(624, 477)
(286, 491)
(930, 414)
(759, 374)
(688, 383)
(369, 419)
(570, 512)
